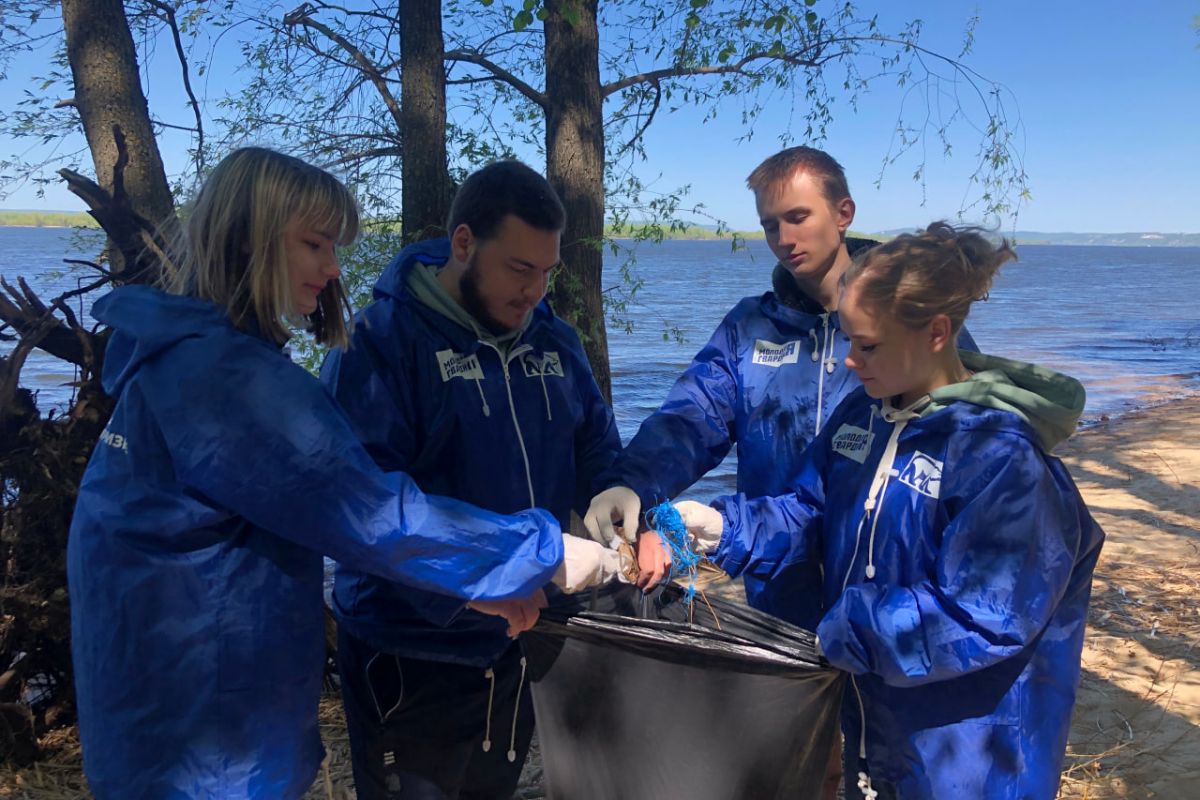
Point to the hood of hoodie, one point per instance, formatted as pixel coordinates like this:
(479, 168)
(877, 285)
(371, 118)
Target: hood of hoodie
(414, 272)
(1050, 402)
(785, 288)
(147, 321)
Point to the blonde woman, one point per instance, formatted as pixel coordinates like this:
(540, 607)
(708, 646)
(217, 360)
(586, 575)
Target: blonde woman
(226, 472)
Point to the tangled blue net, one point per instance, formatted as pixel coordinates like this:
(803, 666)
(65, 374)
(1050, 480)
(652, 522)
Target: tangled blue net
(667, 523)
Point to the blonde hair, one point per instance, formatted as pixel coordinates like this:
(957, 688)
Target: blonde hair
(230, 248)
(941, 270)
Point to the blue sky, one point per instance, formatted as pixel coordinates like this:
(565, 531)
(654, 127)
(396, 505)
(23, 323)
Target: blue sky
(1108, 95)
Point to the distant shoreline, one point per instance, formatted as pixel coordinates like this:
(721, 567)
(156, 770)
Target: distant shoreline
(80, 219)
(47, 219)
(54, 227)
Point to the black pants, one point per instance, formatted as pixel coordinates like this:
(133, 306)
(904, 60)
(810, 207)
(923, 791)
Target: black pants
(429, 730)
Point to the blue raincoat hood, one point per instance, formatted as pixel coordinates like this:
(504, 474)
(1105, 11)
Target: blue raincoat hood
(145, 323)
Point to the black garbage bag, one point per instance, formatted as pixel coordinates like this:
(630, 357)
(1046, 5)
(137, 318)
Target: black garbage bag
(633, 702)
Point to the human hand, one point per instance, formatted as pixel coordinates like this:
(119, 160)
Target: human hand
(585, 564)
(654, 560)
(521, 614)
(704, 524)
(620, 503)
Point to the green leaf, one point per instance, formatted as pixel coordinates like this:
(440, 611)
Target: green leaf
(522, 20)
(698, 4)
(543, 13)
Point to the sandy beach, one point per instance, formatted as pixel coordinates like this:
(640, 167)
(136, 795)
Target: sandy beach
(1136, 728)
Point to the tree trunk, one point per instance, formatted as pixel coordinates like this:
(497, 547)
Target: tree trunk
(425, 192)
(108, 92)
(42, 459)
(575, 168)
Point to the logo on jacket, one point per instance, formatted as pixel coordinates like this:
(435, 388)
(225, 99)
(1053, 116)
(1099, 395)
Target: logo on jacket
(770, 354)
(547, 365)
(114, 440)
(457, 365)
(853, 442)
(923, 474)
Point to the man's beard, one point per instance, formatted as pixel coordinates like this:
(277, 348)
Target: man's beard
(472, 300)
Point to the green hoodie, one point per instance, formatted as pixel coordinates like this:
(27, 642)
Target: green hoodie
(1049, 401)
(424, 285)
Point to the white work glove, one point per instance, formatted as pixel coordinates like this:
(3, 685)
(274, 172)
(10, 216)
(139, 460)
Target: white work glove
(618, 503)
(704, 524)
(586, 563)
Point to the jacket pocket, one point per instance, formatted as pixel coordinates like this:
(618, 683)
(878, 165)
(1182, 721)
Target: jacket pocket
(385, 683)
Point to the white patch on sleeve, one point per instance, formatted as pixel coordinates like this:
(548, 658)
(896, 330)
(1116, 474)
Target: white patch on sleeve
(770, 354)
(924, 474)
(853, 442)
(457, 365)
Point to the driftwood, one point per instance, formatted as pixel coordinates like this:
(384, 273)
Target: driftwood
(42, 458)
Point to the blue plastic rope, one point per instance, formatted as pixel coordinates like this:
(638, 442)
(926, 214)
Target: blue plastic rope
(667, 523)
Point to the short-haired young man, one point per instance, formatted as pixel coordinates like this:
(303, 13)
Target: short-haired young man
(460, 375)
(767, 379)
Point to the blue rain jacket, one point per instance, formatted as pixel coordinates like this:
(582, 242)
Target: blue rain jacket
(965, 644)
(772, 373)
(194, 559)
(428, 397)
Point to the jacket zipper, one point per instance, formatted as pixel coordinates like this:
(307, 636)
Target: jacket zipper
(516, 351)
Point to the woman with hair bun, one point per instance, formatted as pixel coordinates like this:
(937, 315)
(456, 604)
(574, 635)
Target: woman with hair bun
(957, 553)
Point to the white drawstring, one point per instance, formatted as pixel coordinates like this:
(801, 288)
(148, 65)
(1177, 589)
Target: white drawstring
(818, 344)
(512, 740)
(831, 341)
(828, 363)
(512, 408)
(487, 412)
(864, 778)
(490, 674)
(862, 519)
(884, 472)
(545, 393)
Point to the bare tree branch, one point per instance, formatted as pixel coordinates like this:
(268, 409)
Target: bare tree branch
(187, 128)
(736, 68)
(138, 240)
(36, 324)
(302, 16)
(641, 131)
(168, 13)
(503, 75)
(374, 152)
